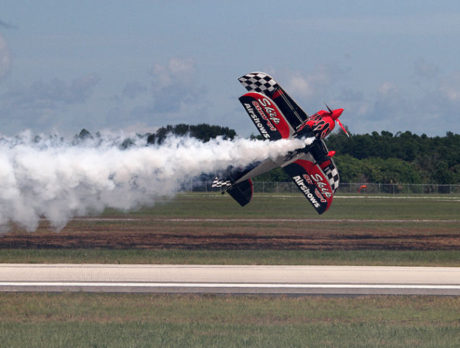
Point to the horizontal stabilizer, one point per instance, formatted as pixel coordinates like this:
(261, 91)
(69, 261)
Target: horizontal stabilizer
(222, 184)
(242, 192)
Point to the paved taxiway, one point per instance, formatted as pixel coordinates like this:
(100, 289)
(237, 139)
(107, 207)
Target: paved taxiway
(235, 279)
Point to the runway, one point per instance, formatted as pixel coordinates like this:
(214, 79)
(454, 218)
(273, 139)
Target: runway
(235, 279)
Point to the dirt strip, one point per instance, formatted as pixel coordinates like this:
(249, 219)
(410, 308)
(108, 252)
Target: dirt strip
(234, 234)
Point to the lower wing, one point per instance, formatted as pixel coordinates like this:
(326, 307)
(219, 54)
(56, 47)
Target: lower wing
(317, 182)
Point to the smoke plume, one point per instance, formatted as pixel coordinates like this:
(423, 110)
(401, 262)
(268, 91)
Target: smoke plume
(56, 180)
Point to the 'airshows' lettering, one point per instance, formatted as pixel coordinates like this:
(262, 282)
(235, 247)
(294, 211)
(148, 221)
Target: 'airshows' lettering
(309, 178)
(304, 188)
(256, 120)
(268, 114)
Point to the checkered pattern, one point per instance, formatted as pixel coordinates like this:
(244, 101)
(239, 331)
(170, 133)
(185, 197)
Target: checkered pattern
(258, 82)
(222, 184)
(333, 176)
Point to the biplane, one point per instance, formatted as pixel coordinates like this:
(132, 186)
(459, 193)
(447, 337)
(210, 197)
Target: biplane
(277, 116)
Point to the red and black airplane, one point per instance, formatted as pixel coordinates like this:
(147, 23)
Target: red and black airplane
(277, 116)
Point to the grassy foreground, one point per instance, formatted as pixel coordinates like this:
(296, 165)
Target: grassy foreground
(294, 205)
(115, 320)
(235, 257)
(364, 215)
(142, 320)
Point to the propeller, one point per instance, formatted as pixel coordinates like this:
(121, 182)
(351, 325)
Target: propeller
(336, 118)
(341, 125)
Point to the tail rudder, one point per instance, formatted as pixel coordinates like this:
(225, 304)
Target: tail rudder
(241, 191)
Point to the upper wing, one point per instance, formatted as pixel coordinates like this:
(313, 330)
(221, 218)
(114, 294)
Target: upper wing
(317, 182)
(263, 83)
(269, 120)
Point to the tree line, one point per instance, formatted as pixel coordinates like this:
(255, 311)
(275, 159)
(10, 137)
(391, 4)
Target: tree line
(203, 132)
(397, 158)
(377, 157)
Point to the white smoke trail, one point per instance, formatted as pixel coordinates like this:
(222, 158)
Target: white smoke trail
(58, 181)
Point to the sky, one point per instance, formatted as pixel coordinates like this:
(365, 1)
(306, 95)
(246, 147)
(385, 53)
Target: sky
(134, 66)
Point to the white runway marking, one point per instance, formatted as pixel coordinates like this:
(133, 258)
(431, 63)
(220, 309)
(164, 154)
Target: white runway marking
(227, 285)
(293, 280)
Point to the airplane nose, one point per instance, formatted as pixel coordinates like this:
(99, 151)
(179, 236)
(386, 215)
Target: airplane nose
(336, 113)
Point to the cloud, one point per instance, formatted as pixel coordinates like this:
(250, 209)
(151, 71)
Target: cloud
(315, 84)
(301, 86)
(425, 70)
(170, 93)
(173, 85)
(134, 89)
(43, 103)
(390, 104)
(404, 23)
(450, 87)
(177, 70)
(426, 101)
(5, 58)
(6, 25)
(388, 90)
(432, 109)
(53, 93)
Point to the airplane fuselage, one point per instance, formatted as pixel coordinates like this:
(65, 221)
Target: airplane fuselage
(277, 116)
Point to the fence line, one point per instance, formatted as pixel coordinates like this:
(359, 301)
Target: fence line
(286, 187)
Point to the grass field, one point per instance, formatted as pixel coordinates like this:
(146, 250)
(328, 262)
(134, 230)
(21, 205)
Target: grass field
(234, 257)
(273, 229)
(293, 205)
(115, 320)
(212, 229)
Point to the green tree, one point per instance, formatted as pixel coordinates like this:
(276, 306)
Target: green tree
(203, 132)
